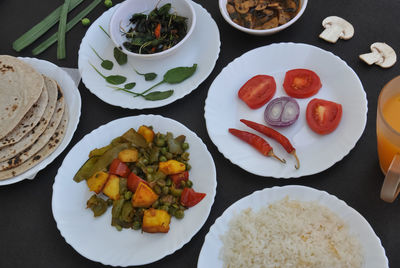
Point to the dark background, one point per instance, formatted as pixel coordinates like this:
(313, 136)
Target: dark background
(28, 233)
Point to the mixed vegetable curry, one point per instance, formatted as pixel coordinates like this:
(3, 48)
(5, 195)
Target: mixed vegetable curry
(144, 176)
(262, 14)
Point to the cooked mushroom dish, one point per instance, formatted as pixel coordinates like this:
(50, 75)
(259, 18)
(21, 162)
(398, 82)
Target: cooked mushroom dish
(262, 14)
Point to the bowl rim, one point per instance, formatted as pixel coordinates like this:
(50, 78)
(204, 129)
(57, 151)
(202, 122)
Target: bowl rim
(154, 55)
(225, 15)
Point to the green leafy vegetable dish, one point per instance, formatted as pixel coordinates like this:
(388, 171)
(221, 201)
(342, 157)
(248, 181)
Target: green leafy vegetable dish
(144, 177)
(155, 32)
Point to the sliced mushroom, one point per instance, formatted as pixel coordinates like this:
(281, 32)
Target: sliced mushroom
(269, 24)
(242, 6)
(261, 5)
(335, 28)
(381, 54)
(283, 17)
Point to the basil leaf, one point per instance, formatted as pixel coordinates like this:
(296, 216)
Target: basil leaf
(130, 85)
(115, 79)
(120, 56)
(164, 10)
(179, 74)
(150, 76)
(106, 64)
(158, 95)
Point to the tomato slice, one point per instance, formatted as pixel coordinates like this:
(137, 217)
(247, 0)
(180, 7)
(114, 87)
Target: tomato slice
(177, 178)
(301, 83)
(323, 116)
(190, 198)
(133, 182)
(258, 91)
(119, 168)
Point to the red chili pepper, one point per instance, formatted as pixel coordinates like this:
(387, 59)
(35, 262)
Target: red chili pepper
(257, 142)
(190, 197)
(157, 31)
(273, 134)
(119, 168)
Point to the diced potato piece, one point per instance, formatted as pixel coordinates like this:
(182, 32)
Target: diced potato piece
(147, 133)
(97, 181)
(128, 155)
(171, 167)
(111, 189)
(156, 221)
(144, 196)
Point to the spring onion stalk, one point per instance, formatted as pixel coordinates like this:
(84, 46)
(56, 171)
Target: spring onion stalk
(39, 29)
(52, 39)
(61, 31)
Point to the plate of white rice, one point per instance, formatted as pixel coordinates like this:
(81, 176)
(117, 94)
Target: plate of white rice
(291, 226)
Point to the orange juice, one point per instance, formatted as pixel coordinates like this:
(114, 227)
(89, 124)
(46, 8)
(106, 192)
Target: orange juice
(388, 130)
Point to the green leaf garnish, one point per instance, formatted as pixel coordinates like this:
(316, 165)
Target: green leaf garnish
(120, 56)
(112, 79)
(106, 64)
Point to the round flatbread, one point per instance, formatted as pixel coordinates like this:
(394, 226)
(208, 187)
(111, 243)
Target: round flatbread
(20, 88)
(56, 102)
(42, 139)
(30, 120)
(44, 152)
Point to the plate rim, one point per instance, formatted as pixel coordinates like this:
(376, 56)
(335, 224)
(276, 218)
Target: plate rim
(271, 46)
(213, 189)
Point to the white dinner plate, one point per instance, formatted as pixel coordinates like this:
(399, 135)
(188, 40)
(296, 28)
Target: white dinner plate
(372, 250)
(223, 110)
(95, 238)
(202, 48)
(73, 102)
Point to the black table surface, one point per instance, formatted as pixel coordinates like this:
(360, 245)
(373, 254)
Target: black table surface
(28, 233)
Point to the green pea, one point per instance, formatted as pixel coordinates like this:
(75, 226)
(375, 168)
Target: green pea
(149, 170)
(169, 155)
(85, 21)
(165, 190)
(157, 189)
(108, 3)
(188, 167)
(176, 192)
(168, 182)
(119, 228)
(164, 207)
(189, 184)
(179, 214)
(163, 150)
(155, 204)
(149, 177)
(183, 184)
(145, 161)
(160, 142)
(185, 156)
(128, 195)
(162, 159)
(136, 225)
(185, 146)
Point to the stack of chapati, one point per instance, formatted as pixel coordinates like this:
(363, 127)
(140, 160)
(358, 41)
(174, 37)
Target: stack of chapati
(33, 117)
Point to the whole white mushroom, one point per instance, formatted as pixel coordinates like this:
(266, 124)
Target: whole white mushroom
(335, 28)
(381, 54)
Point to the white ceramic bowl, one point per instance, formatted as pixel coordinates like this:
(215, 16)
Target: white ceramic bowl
(225, 15)
(125, 11)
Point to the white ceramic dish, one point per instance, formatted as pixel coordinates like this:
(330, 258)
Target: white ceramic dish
(374, 253)
(202, 48)
(95, 238)
(223, 110)
(225, 15)
(125, 11)
(73, 101)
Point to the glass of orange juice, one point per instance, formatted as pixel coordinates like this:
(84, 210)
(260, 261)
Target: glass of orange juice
(388, 138)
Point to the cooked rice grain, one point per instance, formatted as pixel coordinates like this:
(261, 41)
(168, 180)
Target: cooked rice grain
(290, 234)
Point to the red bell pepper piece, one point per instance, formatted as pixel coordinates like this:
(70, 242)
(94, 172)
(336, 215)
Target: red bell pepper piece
(133, 182)
(119, 168)
(177, 178)
(190, 197)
